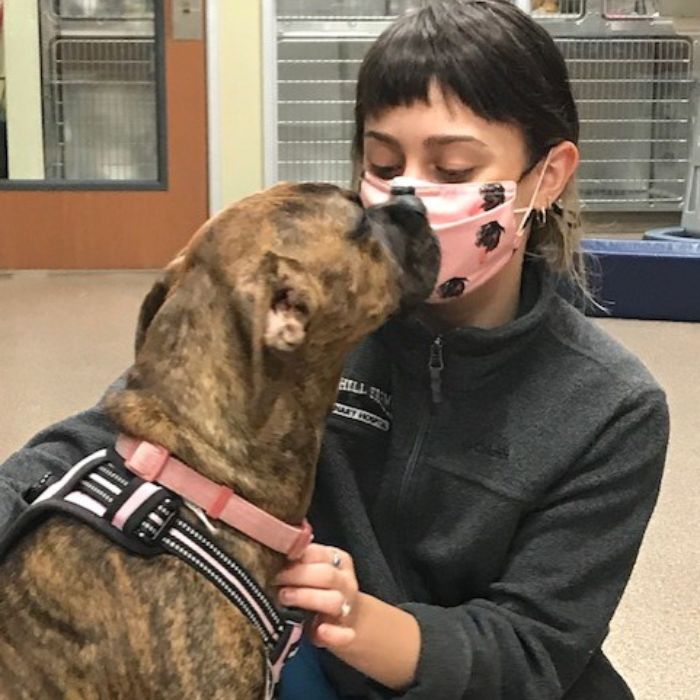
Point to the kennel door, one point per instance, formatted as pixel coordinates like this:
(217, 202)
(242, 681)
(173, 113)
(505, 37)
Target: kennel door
(635, 94)
(106, 161)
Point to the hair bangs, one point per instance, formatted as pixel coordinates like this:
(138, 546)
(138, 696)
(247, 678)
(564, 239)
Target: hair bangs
(395, 76)
(401, 66)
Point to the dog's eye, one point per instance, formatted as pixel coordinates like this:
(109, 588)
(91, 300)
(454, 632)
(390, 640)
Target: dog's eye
(354, 197)
(362, 228)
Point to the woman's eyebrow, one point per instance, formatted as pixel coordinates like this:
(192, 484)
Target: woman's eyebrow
(384, 138)
(447, 139)
(430, 142)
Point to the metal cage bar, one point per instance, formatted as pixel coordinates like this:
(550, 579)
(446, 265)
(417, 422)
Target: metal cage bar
(635, 104)
(635, 95)
(359, 10)
(102, 9)
(100, 80)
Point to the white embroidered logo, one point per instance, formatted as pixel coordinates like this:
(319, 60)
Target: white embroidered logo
(373, 394)
(340, 409)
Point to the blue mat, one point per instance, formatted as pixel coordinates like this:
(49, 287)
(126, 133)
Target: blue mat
(673, 233)
(650, 279)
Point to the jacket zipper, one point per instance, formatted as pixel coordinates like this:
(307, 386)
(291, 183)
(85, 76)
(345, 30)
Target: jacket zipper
(436, 364)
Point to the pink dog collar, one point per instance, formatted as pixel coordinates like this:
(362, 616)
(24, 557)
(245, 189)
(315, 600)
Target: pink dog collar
(155, 464)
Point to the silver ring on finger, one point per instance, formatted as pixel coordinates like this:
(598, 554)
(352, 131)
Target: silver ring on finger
(337, 561)
(345, 609)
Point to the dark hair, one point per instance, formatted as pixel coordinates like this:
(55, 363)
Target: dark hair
(500, 63)
(488, 53)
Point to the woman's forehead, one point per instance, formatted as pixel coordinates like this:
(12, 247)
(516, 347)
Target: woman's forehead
(441, 122)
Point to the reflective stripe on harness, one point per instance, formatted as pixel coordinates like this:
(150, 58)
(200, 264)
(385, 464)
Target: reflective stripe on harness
(144, 518)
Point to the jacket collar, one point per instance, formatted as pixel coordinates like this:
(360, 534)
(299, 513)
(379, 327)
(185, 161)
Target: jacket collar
(470, 353)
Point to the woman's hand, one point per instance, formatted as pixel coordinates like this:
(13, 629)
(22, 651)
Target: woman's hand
(323, 581)
(379, 640)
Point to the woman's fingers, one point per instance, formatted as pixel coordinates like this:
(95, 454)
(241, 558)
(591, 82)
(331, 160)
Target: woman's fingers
(315, 576)
(324, 602)
(321, 554)
(334, 636)
(323, 582)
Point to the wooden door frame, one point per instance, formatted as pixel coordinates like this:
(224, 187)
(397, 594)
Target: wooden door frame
(127, 212)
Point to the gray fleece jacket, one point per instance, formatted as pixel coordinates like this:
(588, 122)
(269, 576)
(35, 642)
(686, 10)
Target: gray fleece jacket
(496, 484)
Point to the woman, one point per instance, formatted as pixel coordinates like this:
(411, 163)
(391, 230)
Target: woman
(492, 463)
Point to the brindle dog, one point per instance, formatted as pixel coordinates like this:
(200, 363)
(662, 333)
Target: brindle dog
(239, 351)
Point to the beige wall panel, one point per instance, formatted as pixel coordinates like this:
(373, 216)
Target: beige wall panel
(240, 98)
(23, 90)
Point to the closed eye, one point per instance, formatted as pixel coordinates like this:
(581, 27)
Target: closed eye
(447, 175)
(353, 196)
(385, 172)
(362, 228)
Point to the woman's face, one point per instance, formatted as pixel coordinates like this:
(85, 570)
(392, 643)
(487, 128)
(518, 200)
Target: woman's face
(444, 141)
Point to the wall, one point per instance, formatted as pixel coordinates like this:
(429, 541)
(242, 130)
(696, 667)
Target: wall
(23, 90)
(235, 100)
(680, 8)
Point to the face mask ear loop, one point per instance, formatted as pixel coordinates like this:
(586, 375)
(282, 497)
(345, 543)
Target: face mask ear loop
(531, 206)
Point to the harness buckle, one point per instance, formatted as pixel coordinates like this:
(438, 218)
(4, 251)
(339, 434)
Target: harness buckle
(153, 533)
(167, 520)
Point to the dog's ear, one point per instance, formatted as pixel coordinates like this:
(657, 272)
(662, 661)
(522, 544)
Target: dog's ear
(291, 303)
(156, 297)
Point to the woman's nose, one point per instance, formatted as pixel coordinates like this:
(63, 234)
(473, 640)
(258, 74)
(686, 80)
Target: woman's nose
(414, 171)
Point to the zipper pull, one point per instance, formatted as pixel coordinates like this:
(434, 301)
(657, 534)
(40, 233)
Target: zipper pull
(435, 367)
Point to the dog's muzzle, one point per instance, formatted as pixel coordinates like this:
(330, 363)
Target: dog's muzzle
(403, 227)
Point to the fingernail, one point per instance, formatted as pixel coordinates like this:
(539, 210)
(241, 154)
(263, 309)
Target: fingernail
(287, 595)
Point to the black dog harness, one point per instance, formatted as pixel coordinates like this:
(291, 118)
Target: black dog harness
(144, 518)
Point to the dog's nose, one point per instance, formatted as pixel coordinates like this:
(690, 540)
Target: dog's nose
(406, 197)
(408, 212)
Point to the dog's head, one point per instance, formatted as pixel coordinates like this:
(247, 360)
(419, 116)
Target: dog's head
(241, 342)
(294, 266)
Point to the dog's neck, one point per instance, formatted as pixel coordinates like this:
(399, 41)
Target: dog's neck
(264, 447)
(235, 412)
(204, 386)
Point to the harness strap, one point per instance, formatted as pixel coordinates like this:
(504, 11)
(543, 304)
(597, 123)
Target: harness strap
(145, 518)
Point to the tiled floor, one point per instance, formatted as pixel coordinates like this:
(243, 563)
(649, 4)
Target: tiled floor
(64, 337)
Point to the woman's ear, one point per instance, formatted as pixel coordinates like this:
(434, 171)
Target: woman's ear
(561, 166)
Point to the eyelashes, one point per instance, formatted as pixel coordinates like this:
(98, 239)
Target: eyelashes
(448, 175)
(386, 172)
(455, 175)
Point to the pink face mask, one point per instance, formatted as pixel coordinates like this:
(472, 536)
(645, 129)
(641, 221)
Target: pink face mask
(474, 222)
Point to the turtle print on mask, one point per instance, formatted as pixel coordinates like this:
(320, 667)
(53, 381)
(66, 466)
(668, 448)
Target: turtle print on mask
(476, 223)
(454, 287)
(494, 195)
(489, 235)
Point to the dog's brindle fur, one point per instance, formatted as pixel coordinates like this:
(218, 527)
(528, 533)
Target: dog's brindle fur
(239, 352)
